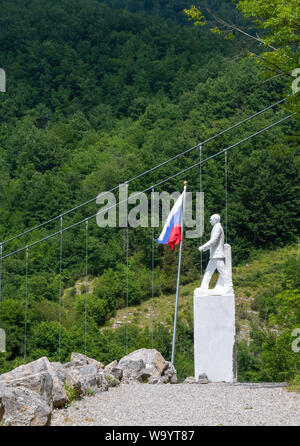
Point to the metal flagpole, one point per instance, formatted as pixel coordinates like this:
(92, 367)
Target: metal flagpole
(201, 254)
(26, 307)
(1, 253)
(86, 282)
(178, 278)
(152, 274)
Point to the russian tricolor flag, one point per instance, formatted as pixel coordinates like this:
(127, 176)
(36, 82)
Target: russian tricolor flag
(172, 232)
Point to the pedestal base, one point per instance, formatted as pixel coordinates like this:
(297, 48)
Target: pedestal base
(214, 337)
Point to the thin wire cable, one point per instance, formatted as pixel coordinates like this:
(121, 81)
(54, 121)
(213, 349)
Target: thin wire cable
(222, 151)
(86, 279)
(226, 197)
(58, 216)
(60, 285)
(26, 306)
(148, 188)
(206, 140)
(146, 172)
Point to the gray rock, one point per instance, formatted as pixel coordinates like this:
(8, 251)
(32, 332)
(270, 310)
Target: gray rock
(131, 369)
(113, 369)
(190, 380)
(170, 373)
(156, 378)
(202, 379)
(40, 366)
(147, 365)
(151, 358)
(20, 406)
(85, 378)
(110, 366)
(104, 383)
(146, 374)
(78, 359)
(59, 371)
(111, 380)
(40, 383)
(131, 376)
(131, 364)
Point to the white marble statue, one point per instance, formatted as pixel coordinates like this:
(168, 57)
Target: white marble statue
(220, 260)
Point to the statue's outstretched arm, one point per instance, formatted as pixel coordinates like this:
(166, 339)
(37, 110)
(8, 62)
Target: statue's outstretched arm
(213, 240)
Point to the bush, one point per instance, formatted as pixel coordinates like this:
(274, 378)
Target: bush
(45, 341)
(247, 363)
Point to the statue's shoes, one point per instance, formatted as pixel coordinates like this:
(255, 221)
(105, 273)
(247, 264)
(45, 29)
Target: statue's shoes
(223, 290)
(217, 291)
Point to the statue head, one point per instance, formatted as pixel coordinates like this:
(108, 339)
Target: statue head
(215, 218)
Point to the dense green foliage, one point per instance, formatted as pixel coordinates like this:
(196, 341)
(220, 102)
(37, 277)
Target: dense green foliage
(273, 351)
(96, 95)
(278, 21)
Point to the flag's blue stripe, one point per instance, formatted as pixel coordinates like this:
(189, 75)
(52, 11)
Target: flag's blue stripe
(175, 220)
(165, 240)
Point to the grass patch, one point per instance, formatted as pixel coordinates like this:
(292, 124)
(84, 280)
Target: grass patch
(294, 386)
(72, 394)
(262, 275)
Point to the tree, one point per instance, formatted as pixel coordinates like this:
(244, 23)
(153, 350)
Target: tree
(279, 21)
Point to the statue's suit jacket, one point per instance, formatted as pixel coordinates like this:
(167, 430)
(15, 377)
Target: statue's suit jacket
(216, 243)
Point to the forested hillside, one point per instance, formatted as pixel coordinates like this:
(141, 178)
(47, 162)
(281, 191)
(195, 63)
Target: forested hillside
(98, 92)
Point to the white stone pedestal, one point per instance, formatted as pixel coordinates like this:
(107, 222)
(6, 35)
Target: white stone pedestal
(214, 337)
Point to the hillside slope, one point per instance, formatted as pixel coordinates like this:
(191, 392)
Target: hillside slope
(266, 288)
(264, 273)
(96, 96)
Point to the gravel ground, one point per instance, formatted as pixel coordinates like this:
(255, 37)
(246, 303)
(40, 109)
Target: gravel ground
(185, 405)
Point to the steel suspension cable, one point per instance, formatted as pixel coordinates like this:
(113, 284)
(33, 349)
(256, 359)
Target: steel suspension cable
(145, 172)
(156, 185)
(224, 150)
(207, 140)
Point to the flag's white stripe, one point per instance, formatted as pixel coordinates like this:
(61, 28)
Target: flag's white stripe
(173, 211)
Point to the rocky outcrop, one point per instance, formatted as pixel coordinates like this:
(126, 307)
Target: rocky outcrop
(146, 365)
(20, 406)
(113, 370)
(41, 377)
(78, 359)
(29, 393)
(84, 374)
(86, 378)
(39, 383)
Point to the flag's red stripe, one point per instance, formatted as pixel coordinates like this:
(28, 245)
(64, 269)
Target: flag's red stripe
(175, 236)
